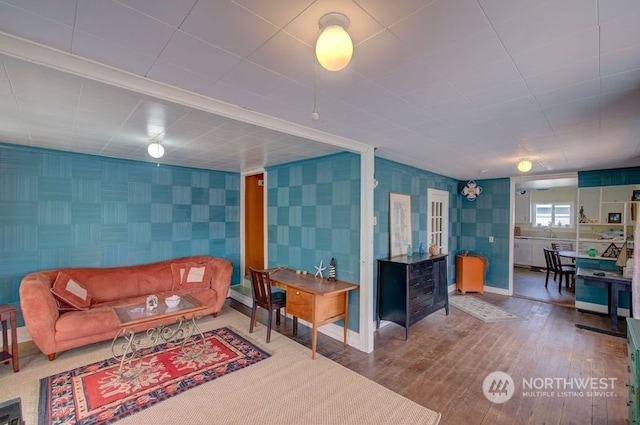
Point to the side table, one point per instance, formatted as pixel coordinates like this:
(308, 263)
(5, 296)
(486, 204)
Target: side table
(8, 313)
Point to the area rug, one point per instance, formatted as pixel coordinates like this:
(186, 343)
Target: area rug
(97, 394)
(288, 388)
(480, 309)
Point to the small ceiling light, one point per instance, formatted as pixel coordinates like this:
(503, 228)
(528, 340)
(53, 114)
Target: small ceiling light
(334, 47)
(155, 149)
(524, 166)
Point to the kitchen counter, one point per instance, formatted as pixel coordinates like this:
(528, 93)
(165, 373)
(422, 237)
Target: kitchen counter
(546, 238)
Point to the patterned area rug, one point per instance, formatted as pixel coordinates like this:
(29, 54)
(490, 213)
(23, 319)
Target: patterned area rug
(95, 394)
(482, 310)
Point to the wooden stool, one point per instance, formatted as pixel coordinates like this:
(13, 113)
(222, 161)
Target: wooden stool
(8, 313)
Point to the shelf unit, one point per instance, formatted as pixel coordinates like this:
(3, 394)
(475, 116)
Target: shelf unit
(611, 214)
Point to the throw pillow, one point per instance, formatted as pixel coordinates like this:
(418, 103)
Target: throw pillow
(71, 292)
(191, 275)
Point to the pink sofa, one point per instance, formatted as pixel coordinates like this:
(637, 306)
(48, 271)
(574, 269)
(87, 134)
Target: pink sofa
(54, 329)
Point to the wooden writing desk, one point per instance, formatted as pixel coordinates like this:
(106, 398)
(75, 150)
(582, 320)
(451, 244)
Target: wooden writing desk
(315, 300)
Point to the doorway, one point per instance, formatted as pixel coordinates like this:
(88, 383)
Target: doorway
(438, 219)
(253, 222)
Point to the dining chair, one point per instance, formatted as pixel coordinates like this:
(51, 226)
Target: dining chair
(568, 273)
(550, 266)
(564, 246)
(265, 296)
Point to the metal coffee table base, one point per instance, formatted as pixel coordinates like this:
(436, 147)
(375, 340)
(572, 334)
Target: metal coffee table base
(129, 350)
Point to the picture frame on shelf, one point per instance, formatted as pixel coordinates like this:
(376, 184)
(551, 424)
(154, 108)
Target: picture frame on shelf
(614, 217)
(399, 223)
(636, 195)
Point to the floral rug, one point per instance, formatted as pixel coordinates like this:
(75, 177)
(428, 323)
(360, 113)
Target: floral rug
(96, 394)
(482, 310)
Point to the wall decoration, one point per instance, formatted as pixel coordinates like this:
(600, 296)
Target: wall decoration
(612, 251)
(399, 223)
(614, 217)
(471, 190)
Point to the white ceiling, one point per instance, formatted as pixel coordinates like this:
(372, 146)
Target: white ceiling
(463, 88)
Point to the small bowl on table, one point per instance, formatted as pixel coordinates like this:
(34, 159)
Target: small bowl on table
(172, 301)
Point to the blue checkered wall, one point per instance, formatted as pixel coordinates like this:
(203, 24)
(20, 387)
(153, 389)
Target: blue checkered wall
(314, 214)
(59, 209)
(400, 178)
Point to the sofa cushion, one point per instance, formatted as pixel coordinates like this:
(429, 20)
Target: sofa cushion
(70, 293)
(191, 275)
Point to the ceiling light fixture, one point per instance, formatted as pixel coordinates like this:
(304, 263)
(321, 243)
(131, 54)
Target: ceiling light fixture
(334, 47)
(155, 149)
(524, 166)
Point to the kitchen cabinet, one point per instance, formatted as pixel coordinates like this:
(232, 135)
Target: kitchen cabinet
(523, 207)
(522, 252)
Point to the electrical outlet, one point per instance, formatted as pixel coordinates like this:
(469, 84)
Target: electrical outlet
(490, 239)
(375, 220)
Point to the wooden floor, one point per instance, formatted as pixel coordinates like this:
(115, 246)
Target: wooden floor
(447, 358)
(529, 284)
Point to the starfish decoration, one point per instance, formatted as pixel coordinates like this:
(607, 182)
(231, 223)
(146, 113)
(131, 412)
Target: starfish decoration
(320, 269)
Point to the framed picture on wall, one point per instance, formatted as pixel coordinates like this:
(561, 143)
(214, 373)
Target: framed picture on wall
(614, 217)
(399, 223)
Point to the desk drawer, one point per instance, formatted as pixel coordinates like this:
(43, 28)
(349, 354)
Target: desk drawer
(299, 304)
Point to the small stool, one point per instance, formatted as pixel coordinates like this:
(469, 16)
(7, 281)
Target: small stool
(8, 313)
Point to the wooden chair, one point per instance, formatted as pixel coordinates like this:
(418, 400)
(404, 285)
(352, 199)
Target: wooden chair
(550, 267)
(566, 272)
(563, 246)
(267, 297)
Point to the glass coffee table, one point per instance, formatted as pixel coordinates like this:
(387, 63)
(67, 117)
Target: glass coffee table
(128, 345)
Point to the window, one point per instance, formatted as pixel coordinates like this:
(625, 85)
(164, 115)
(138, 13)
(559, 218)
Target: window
(553, 214)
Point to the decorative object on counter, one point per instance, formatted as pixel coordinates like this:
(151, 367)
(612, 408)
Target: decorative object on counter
(319, 269)
(399, 223)
(582, 218)
(172, 301)
(592, 252)
(612, 251)
(471, 190)
(332, 270)
(409, 251)
(614, 217)
(516, 231)
(421, 249)
(434, 249)
(623, 256)
(152, 303)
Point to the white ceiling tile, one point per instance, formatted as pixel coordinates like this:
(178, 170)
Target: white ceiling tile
(408, 76)
(559, 53)
(471, 80)
(504, 10)
(61, 11)
(179, 77)
(19, 22)
(586, 89)
(611, 10)
(439, 25)
(620, 60)
(620, 34)
(253, 78)
(388, 13)
(190, 53)
(225, 24)
(457, 112)
(171, 12)
(550, 21)
(379, 55)
(278, 12)
(134, 30)
(118, 56)
(498, 94)
(512, 107)
(563, 77)
(285, 55)
(433, 94)
(472, 52)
